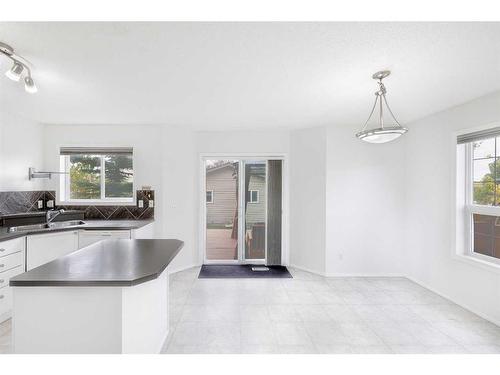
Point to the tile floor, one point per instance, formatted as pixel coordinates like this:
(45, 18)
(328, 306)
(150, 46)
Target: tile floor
(313, 314)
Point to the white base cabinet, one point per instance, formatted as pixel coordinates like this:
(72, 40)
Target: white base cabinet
(11, 264)
(43, 248)
(25, 253)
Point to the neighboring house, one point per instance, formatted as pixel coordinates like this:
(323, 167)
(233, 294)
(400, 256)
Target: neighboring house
(221, 186)
(256, 206)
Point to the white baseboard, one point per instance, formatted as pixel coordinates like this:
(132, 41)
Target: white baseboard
(5, 316)
(339, 274)
(465, 306)
(307, 270)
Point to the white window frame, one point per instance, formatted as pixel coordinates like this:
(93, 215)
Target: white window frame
(471, 209)
(250, 197)
(65, 188)
(211, 201)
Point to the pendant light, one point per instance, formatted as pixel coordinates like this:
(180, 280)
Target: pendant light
(383, 133)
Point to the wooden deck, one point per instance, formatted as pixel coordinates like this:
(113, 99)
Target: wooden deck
(220, 246)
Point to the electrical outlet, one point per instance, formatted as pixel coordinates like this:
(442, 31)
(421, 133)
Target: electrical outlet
(50, 204)
(151, 203)
(141, 203)
(40, 204)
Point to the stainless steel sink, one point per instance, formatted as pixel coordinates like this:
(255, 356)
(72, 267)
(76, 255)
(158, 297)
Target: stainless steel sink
(45, 226)
(65, 224)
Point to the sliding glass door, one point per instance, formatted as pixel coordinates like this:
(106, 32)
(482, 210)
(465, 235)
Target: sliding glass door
(237, 209)
(222, 210)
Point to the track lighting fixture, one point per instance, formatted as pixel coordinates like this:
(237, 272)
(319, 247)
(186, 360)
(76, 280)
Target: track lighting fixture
(20, 66)
(29, 85)
(15, 72)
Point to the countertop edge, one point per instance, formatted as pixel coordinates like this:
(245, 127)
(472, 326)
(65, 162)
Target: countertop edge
(90, 225)
(96, 283)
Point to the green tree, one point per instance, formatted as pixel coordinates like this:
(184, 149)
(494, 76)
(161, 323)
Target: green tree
(487, 191)
(119, 175)
(85, 176)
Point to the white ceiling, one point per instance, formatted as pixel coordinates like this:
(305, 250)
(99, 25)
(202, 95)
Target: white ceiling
(246, 75)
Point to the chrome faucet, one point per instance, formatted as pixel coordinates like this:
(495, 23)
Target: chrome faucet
(50, 215)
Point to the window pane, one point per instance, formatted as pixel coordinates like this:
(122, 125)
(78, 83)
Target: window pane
(487, 235)
(119, 176)
(85, 177)
(484, 148)
(484, 193)
(484, 181)
(255, 213)
(209, 197)
(255, 196)
(484, 170)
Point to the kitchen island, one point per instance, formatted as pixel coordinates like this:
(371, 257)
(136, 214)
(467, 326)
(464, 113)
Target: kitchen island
(109, 297)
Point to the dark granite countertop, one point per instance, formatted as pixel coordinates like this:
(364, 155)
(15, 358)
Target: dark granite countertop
(89, 225)
(105, 263)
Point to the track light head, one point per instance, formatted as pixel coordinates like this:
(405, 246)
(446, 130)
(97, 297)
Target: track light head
(29, 85)
(15, 72)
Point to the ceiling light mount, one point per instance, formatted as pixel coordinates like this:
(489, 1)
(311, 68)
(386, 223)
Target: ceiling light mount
(19, 66)
(383, 133)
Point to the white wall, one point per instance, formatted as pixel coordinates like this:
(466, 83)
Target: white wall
(307, 203)
(180, 193)
(364, 205)
(146, 141)
(164, 158)
(273, 141)
(20, 148)
(430, 224)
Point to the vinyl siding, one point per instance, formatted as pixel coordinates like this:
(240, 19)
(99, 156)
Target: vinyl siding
(224, 187)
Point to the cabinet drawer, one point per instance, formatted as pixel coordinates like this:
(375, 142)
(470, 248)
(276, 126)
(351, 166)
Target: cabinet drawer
(11, 261)
(7, 275)
(5, 300)
(11, 246)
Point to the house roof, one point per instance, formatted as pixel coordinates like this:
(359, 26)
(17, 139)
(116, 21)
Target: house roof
(220, 166)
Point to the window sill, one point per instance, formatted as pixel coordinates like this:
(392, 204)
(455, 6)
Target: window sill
(484, 264)
(96, 203)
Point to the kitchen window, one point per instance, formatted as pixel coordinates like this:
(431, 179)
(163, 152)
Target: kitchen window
(481, 151)
(97, 175)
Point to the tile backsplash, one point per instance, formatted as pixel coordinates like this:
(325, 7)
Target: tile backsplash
(15, 202)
